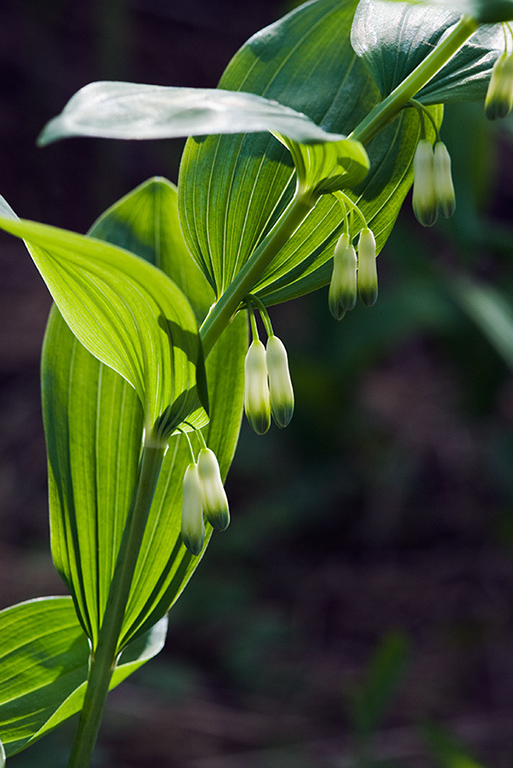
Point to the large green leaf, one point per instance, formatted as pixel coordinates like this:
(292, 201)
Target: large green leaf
(129, 314)
(394, 37)
(117, 110)
(483, 11)
(93, 426)
(44, 656)
(233, 188)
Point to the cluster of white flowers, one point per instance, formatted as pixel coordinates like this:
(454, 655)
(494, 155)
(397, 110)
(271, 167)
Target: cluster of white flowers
(268, 386)
(354, 273)
(433, 190)
(204, 496)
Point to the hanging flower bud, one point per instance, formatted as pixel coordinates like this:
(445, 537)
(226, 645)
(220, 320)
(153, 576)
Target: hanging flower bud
(193, 527)
(215, 502)
(443, 181)
(342, 294)
(499, 96)
(367, 272)
(425, 206)
(256, 388)
(280, 385)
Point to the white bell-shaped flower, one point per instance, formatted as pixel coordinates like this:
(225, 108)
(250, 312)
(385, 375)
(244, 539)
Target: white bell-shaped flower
(256, 388)
(445, 196)
(343, 291)
(215, 501)
(367, 271)
(280, 385)
(425, 203)
(193, 526)
(499, 96)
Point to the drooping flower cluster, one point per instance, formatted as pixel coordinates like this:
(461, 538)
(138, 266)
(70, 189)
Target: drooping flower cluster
(204, 496)
(268, 387)
(433, 189)
(354, 273)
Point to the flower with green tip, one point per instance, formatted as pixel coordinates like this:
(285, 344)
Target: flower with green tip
(280, 385)
(445, 196)
(367, 272)
(257, 403)
(192, 526)
(499, 96)
(425, 203)
(215, 501)
(343, 291)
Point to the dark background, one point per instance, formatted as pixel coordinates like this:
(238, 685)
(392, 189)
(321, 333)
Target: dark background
(384, 513)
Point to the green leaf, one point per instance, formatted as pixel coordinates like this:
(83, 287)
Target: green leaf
(233, 189)
(129, 314)
(446, 749)
(44, 655)
(328, 167)
(2, 755)
(483, 11)
(94, 427)
(117, 110)
(383, 677)
(394, 37)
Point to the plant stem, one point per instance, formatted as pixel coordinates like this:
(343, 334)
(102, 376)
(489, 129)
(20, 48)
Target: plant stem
(224, 309)
(416, 80)
(104, 657)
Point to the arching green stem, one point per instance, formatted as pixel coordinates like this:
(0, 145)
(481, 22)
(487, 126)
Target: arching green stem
(416, 80)
(224, 309)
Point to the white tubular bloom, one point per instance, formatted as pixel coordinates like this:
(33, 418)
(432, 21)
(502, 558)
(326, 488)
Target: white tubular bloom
(367, 272)
(425, 204)
(499, 96)
(215, 501)
(445, 196)
(342, 293)
(256, 388)
(280, 384)
(193, 527)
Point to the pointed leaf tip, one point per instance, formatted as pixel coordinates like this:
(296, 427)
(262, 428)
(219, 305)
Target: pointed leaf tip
(128, 314)
(118, 110)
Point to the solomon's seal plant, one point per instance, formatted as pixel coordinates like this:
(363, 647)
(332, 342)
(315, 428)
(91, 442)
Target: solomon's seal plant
(297, 169)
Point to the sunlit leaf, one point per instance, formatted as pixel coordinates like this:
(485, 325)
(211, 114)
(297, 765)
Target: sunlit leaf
(329, 166)
(94, 425)
(117, 110)
(394, 37)
(126, 312)
(233, 189)
(483, 11)
(45, 655)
